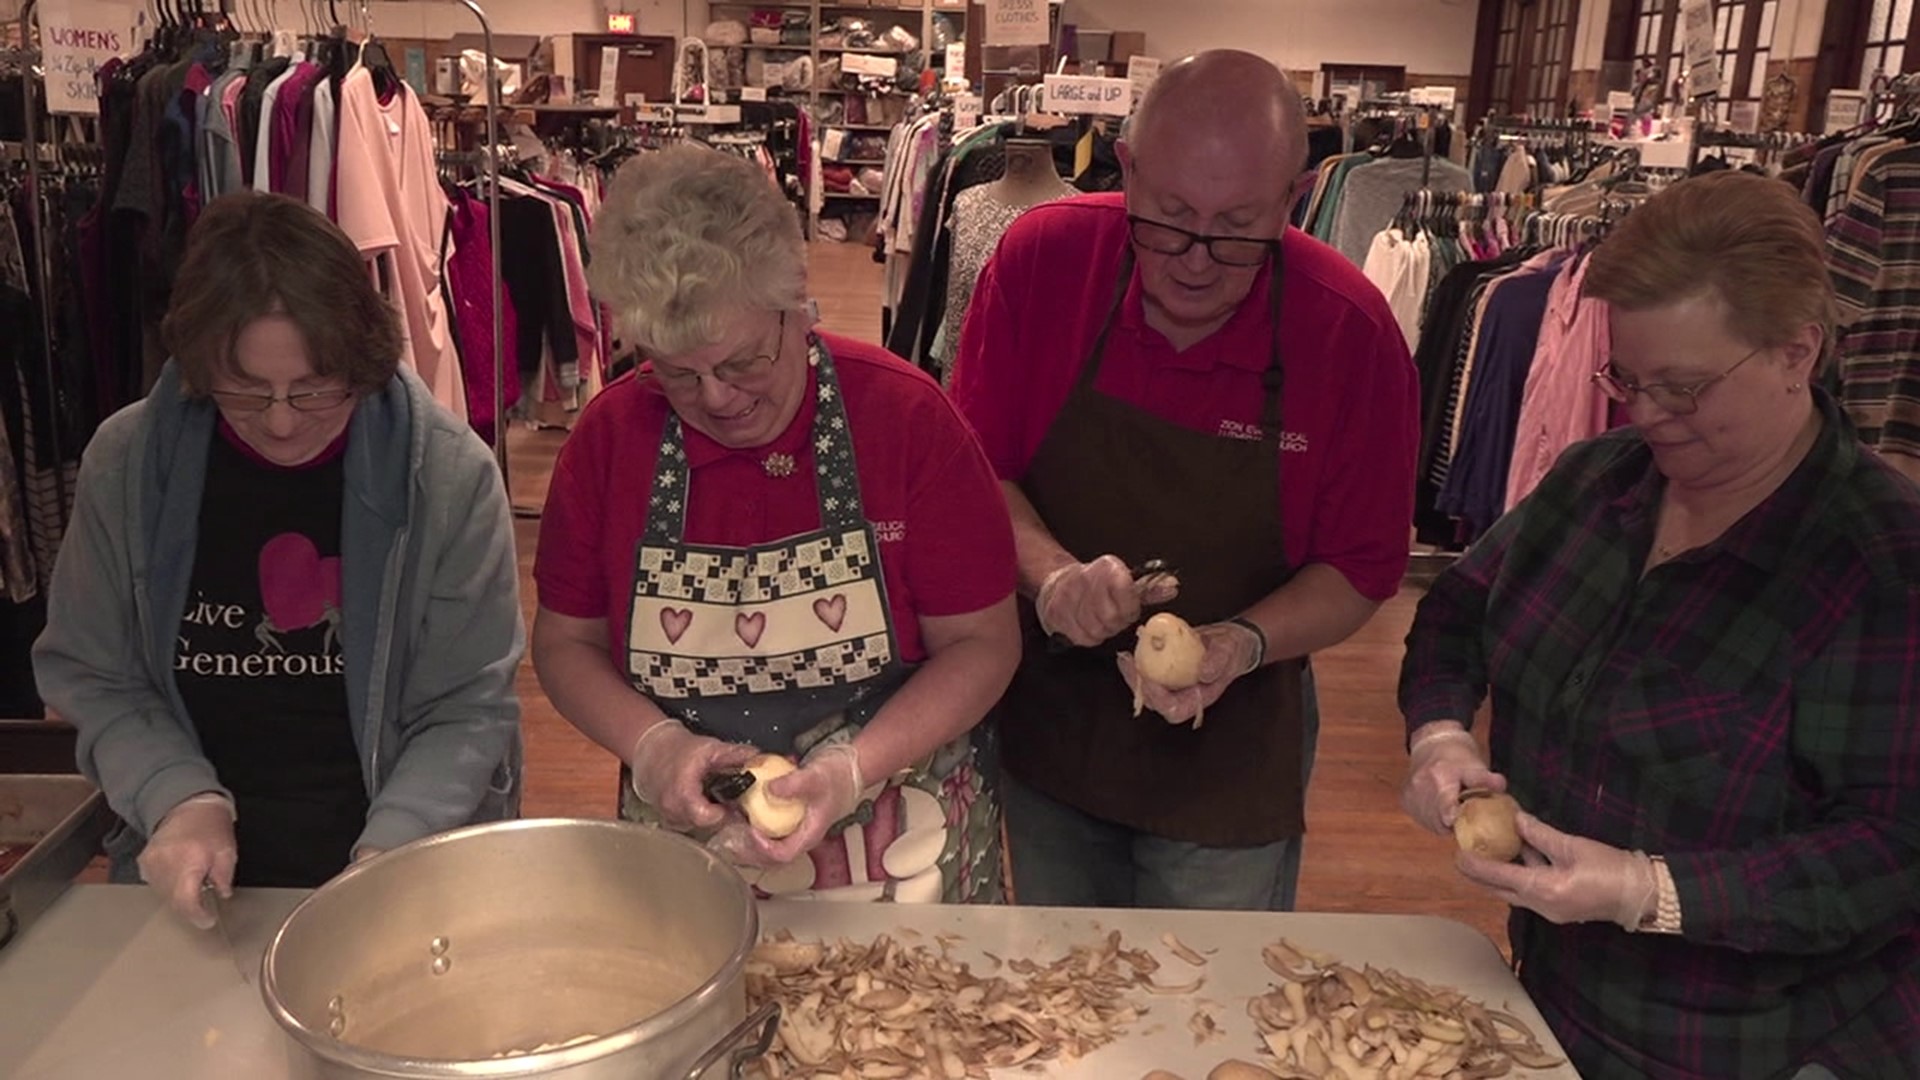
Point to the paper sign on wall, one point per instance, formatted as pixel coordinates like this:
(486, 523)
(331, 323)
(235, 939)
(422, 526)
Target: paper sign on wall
(1141, 71)
(1088, 95)
(76, 37)
(610, 73)
(1703, 64)
(956, 59)
(1016, 22)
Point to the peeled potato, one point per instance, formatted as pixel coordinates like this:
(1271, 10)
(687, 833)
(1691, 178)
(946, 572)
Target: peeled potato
(1486, 826)
(1169, 651)
(771, 814)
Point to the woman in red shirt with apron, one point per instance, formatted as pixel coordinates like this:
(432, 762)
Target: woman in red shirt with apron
(819, 565)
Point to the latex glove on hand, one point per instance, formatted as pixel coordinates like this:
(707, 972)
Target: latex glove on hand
(1569, 879)
(1445, 761)
(828, 782)
(1232, 651)
(670, 764)
(193, 844)
(1089, 603)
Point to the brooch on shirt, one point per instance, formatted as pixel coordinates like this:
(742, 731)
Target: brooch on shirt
(778, 466)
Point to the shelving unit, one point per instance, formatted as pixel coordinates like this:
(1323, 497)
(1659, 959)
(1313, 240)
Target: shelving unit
(828, 104)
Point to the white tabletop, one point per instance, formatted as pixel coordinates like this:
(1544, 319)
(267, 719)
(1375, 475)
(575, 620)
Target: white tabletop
(108, 984)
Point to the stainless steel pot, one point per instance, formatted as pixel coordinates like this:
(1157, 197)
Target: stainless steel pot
(433, 960)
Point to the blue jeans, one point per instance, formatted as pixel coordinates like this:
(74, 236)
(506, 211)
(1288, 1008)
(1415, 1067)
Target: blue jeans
(1063, 857)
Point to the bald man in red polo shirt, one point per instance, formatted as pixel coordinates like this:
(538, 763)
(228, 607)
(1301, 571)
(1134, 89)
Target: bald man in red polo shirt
(1175, 374)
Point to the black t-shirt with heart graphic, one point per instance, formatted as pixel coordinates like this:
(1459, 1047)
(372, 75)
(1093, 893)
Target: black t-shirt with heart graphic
(259, 662)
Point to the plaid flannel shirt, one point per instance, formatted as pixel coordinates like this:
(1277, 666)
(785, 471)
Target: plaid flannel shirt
(1751, 711)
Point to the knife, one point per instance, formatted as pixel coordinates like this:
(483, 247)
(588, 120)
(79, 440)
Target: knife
(216, 905)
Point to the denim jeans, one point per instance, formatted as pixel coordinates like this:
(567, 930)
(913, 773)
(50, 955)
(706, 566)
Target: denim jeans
(1063, 857)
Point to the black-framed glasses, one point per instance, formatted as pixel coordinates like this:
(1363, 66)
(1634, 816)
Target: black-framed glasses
(1680, 399)
(309, 401)
(738, 372)
(1164, 239)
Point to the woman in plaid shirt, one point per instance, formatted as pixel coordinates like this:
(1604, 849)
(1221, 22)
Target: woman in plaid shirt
(1701, 636)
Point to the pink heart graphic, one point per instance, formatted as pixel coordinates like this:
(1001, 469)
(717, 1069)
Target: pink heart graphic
(297, 587)
(675, 623)
(750, 627)
(832, 612)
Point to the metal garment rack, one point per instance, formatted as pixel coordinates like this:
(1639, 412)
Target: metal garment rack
(492, 162)
(42, 269)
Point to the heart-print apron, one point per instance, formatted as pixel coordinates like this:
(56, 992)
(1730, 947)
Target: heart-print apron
(791, 644)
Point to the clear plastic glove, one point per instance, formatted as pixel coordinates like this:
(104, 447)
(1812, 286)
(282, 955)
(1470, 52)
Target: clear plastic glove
(1232, 651)
(1091, 602)
(1444, 762)
(1569, 879)
(191, 845)
(828, 781)
(670, 763)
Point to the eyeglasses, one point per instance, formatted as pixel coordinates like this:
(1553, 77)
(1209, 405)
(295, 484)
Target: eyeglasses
(1163, 239)
(1676, 398)
(311, 401)
(739, 372)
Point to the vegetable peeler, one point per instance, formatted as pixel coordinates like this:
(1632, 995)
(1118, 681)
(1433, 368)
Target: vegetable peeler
(726, 787)
(1146, 575)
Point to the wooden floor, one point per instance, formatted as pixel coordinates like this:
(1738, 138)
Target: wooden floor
(1362, 853)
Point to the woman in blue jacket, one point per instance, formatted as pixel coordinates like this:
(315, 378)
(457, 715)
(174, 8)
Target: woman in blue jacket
(284, 620)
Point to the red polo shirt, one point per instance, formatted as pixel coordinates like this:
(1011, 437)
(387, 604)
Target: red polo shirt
(1350, 414)
(946, 545)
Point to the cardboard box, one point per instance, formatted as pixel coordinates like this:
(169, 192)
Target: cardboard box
(1125, 45)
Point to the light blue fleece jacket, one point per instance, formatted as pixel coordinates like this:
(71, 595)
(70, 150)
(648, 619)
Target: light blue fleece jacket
(432, 630)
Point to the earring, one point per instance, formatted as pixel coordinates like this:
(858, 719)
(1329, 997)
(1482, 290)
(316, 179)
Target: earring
(1794, 389)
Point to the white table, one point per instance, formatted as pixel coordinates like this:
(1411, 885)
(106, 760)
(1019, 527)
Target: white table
(108, 984)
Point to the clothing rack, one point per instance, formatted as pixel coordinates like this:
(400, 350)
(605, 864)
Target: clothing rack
(1766, 143)
(26, 57)
(1425, 118)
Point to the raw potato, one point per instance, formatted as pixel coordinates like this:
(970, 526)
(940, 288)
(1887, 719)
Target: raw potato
(772, 815)
(1169, 652)
(1485, 825)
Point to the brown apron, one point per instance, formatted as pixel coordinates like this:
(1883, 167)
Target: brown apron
(1112, 478)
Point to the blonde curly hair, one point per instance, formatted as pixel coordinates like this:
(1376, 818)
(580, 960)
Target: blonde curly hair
(688, 240)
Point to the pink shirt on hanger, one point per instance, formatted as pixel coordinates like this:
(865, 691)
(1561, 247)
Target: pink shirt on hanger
(1560, 405)
(387, 197)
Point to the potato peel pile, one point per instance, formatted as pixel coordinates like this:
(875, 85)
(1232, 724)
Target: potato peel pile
(883, 1009)
(1326, 1021)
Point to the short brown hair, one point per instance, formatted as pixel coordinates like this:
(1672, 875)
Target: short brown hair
(252, 254)
(1747, 239)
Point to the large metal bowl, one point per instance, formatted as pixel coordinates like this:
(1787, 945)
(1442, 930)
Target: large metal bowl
(434, 959)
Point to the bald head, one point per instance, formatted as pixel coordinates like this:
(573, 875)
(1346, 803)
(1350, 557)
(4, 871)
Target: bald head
(1223, 97)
